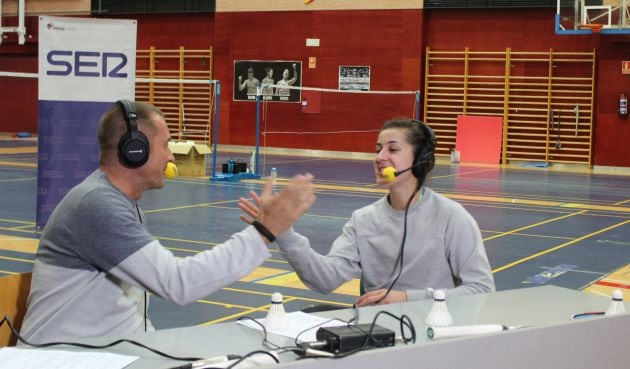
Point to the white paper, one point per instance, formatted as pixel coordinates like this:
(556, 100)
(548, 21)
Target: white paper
(17, 358)
(297, 322)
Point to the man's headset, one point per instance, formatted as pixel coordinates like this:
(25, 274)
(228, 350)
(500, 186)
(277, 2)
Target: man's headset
(426, 155)
(133, 147)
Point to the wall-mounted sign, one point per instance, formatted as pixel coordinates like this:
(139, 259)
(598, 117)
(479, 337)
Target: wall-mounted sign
(354, 78)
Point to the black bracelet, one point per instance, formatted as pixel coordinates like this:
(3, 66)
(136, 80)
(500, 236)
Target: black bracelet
(263, 231)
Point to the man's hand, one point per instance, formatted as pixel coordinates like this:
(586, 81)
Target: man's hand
(278, 212)
(373, 297)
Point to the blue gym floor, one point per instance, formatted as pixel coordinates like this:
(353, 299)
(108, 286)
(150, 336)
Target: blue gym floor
(540, 226)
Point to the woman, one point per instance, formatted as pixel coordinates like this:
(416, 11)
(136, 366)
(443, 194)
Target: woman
(435, 240)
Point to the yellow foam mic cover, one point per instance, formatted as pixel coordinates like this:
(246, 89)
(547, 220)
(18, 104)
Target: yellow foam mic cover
(171, 170)
(389, 173)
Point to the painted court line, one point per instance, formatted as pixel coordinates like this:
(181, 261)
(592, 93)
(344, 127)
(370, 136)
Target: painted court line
(520, 261)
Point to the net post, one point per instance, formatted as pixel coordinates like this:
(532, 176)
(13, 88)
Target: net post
(215, 134)
(257, 125)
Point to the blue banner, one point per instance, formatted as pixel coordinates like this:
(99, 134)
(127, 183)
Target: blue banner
(85, 65)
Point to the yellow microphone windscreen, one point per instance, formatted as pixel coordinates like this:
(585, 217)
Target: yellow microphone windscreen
(389, 173)
(171, 170)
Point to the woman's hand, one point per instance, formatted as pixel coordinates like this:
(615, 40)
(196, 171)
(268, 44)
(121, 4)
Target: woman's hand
(376, 297)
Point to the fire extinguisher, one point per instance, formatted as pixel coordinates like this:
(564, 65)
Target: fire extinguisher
(623, 105)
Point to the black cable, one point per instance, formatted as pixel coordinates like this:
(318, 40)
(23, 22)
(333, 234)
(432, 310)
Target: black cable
(400, 257)
(83, 345)
(404, 321)
(146, 313)
(251, 354)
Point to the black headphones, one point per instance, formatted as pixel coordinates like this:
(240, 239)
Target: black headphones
(133, 147)
(424, 162)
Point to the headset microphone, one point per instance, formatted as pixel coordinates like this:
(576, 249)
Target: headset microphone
(390, 173)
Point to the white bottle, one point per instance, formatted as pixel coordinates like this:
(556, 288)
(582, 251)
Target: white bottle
(274, 174)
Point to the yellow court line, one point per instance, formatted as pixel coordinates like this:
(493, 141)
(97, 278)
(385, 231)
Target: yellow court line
(190, 206)
(531, 235)
(533, 225)
(19, 228)
(596, 207)
(14, 164)
(464, 173)
(17, 221)
(622, 202)
(224, 304)
(188, 241)
(507, 266)
(242, 313)
(8, 272)
(16, 259)
(19, 244)
(19, 150)
(17, 179)
(287, 296)
(483, 198)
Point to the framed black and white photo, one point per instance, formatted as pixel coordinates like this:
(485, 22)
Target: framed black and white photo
(354, 78)
(274, 78)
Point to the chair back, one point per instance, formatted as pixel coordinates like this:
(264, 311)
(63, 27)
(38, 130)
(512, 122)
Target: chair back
(14, 290)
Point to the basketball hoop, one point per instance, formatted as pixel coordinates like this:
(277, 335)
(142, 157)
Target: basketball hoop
(594, 27)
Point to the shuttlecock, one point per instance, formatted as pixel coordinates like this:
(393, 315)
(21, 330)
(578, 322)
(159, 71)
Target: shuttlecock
(276, 319)
(616, 304)
(439, 315)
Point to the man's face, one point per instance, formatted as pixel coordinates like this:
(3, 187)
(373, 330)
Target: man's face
(159, 154)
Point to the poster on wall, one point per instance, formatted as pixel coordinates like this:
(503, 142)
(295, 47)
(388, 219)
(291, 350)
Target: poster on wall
(354, 78)
(274, 77)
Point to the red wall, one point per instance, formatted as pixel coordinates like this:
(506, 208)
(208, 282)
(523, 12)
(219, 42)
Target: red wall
(18, 96)
(534, 30)
(387, 41)
(391, 42)
(612, 133)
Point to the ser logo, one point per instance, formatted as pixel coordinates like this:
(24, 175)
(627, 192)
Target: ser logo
(86, 64)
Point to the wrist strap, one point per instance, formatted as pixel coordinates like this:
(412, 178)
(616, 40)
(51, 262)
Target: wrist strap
(263, 231)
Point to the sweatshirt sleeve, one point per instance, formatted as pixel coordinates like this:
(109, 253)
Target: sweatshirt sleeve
(322, 273)
(184, 280)
(467, 256)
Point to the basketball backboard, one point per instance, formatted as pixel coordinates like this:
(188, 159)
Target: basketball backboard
(574, 17)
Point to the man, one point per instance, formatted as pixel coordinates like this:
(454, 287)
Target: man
(96, 260)
(251, 83)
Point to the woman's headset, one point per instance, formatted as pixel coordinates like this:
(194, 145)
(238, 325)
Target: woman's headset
(425, 160)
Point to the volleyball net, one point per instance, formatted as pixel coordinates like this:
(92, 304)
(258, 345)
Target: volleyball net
(326, 119)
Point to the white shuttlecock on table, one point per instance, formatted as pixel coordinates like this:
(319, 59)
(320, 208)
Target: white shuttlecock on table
(276, 319)
(616, 304)
(439, 315)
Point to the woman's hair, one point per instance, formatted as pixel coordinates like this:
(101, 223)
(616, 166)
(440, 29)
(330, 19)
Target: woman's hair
(423, 140)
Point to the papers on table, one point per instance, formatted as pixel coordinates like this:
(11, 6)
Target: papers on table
(298, 323)
(19, 358)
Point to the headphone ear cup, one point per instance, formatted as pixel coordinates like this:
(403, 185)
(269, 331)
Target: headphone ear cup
(133, 149)
(425, 161)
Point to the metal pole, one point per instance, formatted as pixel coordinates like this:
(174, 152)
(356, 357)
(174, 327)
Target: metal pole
(257, 127)
(417, 117)
(215, 134)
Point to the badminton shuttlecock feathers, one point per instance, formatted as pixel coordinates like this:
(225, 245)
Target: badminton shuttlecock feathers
(439, 315)
(616, 304)
(276, 319)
